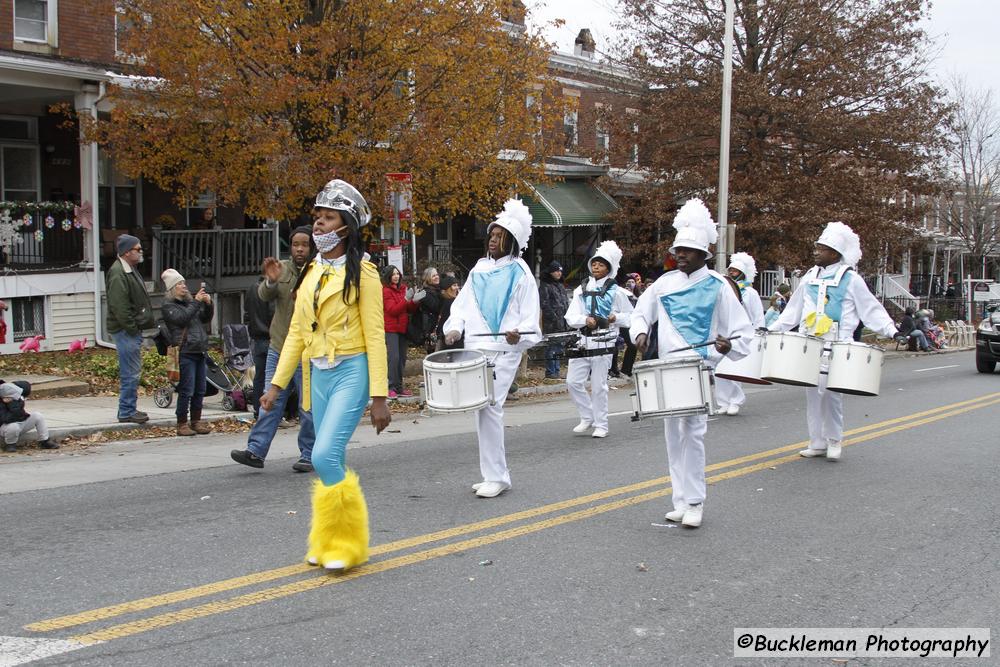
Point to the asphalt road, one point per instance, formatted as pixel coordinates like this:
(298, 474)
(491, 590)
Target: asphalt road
(566, 568)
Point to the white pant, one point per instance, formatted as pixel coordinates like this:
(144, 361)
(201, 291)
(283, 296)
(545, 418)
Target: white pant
(729, 392)
(593, 407)
(489, 420)
(11, 432)
(686, 455)
(824, 413)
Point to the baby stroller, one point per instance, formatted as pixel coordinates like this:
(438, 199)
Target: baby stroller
(233, 378)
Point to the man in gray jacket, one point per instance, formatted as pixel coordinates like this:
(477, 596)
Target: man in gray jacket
(129, 313)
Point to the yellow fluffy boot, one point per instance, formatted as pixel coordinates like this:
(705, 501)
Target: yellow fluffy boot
(339, 535)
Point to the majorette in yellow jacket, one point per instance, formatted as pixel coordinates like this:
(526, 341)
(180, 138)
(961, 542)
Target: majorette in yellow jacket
(339, 329)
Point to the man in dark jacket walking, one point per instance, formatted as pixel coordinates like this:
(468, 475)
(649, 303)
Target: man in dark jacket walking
(129, 313)
(258, 320)
(554, 301)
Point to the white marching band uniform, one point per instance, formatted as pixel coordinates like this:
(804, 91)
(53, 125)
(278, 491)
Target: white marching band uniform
(829, 303)
(691, 309)
(600, 299)
(500, 295)
(729, 393)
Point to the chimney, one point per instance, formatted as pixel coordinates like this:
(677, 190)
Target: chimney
(584, 45)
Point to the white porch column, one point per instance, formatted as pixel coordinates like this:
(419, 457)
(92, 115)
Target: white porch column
(85, 104)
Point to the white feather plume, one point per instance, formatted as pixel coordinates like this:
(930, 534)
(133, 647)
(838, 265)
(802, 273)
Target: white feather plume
(516, 218)
(695, 214)
(745, 263)
(609, 251)
(844, 240)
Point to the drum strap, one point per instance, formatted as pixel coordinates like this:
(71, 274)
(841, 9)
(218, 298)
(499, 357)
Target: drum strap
(818, 322)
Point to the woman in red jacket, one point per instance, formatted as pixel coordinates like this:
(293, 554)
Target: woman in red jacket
(397, 309)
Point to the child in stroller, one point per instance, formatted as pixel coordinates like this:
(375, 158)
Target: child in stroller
(234, 378)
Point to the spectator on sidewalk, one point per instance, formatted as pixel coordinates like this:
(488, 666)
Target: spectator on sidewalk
(279, 288)
(3, 323)
(430, 306)
(129, 313)
(553, 300)
(397, 310)
(185, 318)
(257, 317)
(908, 328)
(15, 421)
(777, 303)
(449, 291)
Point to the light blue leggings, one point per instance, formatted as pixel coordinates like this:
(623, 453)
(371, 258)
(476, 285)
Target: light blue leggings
(339, 397)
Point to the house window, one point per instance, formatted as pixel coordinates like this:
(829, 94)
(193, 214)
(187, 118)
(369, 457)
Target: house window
(570, 127)
(35, 21)
(18, 172)
(633, 157)
(602, 135)
(28, 315)
(116, 196)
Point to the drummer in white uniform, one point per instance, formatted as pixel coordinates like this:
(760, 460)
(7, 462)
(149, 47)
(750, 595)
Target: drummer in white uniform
(598, 308)
(498, 312)
(830, 301)
(742, 269)
(692, 304)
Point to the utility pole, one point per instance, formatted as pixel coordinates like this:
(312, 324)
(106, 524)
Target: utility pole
(722, 247)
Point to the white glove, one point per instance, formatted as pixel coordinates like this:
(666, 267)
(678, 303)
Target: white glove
(452, 337)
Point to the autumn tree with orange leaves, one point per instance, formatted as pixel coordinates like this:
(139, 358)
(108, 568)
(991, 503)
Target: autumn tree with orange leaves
(263, 102)
(833, 118)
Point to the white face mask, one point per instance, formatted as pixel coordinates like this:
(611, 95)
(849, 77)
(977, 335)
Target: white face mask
(326, 242)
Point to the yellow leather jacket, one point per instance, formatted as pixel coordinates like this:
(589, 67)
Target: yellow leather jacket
(324, 326)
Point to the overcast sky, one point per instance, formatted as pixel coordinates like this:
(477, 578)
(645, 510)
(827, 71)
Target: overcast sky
(968, 31)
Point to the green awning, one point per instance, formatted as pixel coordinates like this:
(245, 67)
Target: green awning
(571, 203)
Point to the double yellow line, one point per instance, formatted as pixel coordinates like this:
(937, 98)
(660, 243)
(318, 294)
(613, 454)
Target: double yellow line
(757, 462)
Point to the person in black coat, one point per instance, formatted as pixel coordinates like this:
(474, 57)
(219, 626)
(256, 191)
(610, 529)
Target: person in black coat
(258, 320)
(185, 318)
(554, 301)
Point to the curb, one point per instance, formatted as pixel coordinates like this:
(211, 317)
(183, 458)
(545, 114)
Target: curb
(82, 431)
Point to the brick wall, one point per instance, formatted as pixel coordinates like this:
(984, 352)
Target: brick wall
(86, 30)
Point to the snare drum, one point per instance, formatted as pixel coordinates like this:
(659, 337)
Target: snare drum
(792, 358)
(746, 369)
(672, 388)
(457, 381)
(855, 368)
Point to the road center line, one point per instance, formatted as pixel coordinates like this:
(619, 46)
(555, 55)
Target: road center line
(936, 368)
(419, 540)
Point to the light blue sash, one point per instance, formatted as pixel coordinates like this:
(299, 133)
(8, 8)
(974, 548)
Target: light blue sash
(691, 310)
(493, 290)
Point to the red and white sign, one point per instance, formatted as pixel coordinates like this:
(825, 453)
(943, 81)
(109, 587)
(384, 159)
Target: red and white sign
(401, 195)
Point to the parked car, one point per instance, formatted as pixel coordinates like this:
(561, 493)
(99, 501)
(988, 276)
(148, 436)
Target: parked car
(988, 342)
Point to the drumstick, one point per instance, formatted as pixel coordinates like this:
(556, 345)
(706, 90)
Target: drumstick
(704, 344)
(504, 333)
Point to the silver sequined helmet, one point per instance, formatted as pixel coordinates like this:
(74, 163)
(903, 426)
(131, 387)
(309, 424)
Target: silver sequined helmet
(342, 196)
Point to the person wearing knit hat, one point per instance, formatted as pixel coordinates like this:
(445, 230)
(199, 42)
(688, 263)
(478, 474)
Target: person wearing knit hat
(691, 305)
(598, 309)
(743, 270)
(186, 319)
(130, 313)
(830, 301)
(554, 301)
(498, 312)
(15, 421)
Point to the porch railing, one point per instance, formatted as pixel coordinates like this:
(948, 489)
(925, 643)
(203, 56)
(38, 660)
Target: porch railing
(213, 254)
(57, 249)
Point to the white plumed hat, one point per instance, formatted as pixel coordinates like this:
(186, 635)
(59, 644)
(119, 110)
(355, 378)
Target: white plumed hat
(610, 253)
(516, 219)
(695, 227)
(744, 263)
(842, 238)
